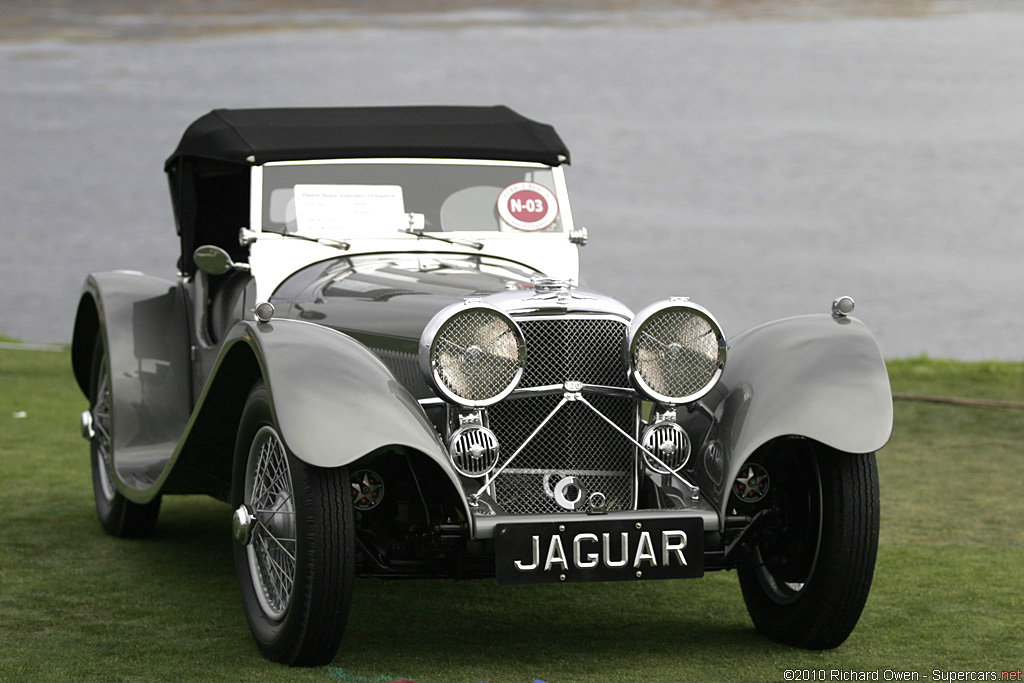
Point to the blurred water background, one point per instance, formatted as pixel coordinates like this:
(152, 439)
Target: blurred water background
(760, 157)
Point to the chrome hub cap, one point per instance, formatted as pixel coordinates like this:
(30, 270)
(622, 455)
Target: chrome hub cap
(241, 524)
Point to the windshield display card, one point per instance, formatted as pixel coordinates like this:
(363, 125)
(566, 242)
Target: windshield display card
(323, 209)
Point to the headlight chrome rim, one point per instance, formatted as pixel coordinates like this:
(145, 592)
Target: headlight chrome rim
(639, 354)
(440, 340)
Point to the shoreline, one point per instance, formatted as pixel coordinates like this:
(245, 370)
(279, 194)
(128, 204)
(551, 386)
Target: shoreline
(127, 21)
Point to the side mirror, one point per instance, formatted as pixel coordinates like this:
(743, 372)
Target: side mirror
(215, 261)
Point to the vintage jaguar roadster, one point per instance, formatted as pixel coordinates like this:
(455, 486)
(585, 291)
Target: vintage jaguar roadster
(377, 353)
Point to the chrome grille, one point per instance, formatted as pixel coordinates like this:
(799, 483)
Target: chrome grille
(565, 349)
(406, 369)
(576, 442)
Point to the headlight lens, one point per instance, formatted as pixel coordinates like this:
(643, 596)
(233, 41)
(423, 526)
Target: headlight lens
(676, 352)
(473, 354)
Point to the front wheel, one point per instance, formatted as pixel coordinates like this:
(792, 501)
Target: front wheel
(812, 561)
(294, 543)
(118, 516)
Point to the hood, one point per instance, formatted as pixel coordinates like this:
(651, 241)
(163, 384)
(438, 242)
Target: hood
(386, 300)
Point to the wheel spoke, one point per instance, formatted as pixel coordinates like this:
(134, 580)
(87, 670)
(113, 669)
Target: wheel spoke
(275, 511)
(279, 541)
(276, 579)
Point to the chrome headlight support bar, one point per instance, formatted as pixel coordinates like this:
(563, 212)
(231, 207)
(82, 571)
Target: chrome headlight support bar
(573, 392)
(547, 390)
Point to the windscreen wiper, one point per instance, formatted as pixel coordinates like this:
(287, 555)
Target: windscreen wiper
(418, 232)
(247, 237)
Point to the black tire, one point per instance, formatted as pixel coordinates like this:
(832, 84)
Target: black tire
(812, 563)
(118, 516)
(296, 571)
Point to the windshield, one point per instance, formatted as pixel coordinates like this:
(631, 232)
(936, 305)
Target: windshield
(379, 199)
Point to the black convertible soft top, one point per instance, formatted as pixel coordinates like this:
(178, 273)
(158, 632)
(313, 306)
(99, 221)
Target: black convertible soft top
(209, 171)
(256, 136)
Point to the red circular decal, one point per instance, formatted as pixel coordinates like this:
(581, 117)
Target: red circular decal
(527, 206)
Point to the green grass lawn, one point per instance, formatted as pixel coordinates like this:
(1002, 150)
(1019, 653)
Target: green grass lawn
(76, 604)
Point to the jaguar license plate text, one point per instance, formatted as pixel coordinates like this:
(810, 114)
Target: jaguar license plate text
(599, 550)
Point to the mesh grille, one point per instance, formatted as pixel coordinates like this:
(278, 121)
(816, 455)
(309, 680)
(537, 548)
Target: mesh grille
(563, 349)
(406, 369)
(576, 442)
(676, 352)
(476, 355)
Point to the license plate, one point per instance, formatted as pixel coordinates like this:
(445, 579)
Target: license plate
(599, 550)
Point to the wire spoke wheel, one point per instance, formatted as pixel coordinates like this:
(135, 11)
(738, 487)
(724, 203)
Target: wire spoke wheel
(101, 431)
(118, 515)
(296, 566)
(268, 485)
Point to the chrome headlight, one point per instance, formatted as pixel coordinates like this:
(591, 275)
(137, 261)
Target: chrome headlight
(473, 354)
(676, 351)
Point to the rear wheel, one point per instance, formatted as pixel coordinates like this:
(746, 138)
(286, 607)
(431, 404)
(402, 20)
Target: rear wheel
(295, 544)
(812, 561)
(118, 516)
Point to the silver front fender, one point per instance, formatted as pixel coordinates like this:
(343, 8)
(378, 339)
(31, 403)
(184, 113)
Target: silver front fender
(332, 399)
(810, 376)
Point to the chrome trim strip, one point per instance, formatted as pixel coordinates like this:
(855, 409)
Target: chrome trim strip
(550, 390)
(589, 473)
(484, 526)
(574, 303)
(638, 462)
(411, 161)
(553, 389)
